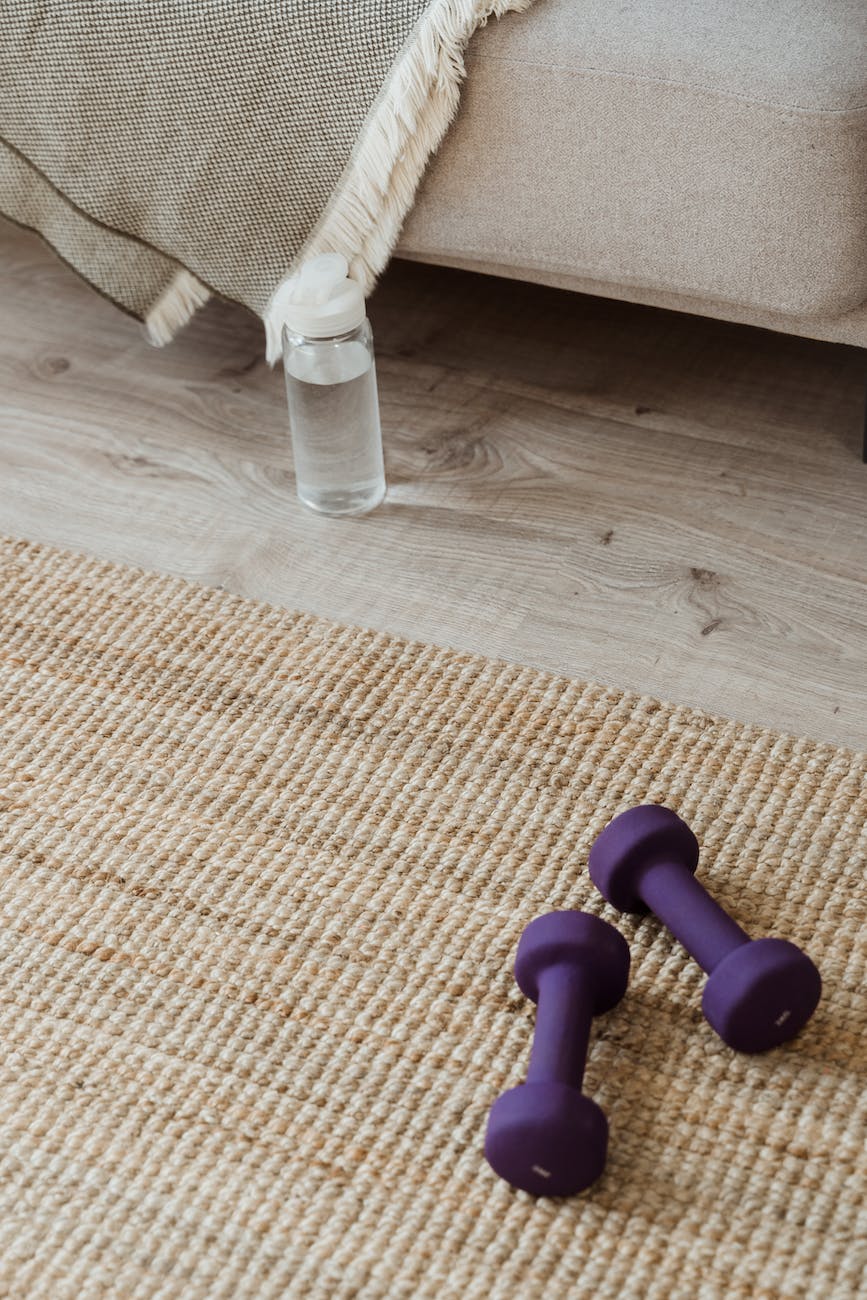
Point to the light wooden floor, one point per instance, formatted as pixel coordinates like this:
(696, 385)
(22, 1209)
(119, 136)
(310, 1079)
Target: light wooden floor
(646, 499)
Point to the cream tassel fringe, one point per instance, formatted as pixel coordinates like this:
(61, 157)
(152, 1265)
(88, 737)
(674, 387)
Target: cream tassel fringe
(364, 217)
(176, 305)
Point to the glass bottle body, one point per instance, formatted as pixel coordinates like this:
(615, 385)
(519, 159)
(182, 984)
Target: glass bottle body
(334, 420)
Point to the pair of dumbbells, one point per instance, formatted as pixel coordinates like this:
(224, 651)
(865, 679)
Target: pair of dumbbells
(545, 1136)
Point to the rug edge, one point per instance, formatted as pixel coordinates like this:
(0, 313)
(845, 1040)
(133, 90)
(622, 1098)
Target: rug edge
(90, 562)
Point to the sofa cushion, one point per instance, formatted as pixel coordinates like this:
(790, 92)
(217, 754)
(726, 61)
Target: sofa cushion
(709, 151)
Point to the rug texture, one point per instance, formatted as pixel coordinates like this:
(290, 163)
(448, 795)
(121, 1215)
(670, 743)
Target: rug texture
(167, 150)
(262, 883)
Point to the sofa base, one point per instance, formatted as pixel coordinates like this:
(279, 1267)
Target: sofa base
(849, 328)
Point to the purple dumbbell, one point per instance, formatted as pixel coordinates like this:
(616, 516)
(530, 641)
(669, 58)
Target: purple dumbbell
(545, 1136)
(759, 992)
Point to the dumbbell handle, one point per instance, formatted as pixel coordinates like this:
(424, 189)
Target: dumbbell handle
(563, 1017)
(672, 892)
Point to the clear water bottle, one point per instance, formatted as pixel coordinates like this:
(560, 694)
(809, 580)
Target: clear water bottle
(331, 390)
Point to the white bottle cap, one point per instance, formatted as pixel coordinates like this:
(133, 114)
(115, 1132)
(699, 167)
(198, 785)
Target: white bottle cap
(321, 300)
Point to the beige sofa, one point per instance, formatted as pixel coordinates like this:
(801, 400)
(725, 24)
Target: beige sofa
(708, 157)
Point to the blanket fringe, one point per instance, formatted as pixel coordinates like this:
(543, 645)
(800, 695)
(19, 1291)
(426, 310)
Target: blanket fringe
(176, 305)
(412, 115)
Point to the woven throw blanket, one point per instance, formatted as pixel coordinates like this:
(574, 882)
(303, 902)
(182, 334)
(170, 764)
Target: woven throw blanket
(170, 150)
(261, 883)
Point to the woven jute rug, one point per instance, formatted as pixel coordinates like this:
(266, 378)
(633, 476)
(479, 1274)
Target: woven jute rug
(262, 883)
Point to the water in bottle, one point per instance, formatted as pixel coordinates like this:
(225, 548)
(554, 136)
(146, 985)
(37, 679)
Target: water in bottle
(331, 390)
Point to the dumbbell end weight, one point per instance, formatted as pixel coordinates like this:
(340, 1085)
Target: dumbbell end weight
(621, 852)
(546, 1139)
(578, 940)
(761, 994)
